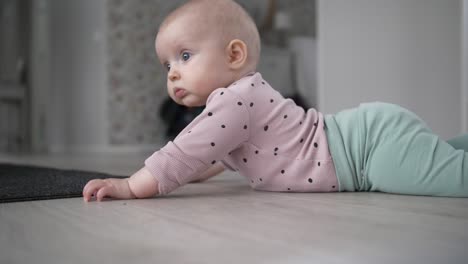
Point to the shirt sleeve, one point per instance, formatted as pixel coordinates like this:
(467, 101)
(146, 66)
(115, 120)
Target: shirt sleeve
(219, 129)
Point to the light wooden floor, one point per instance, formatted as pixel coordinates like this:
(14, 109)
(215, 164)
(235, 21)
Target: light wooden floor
(224, 221)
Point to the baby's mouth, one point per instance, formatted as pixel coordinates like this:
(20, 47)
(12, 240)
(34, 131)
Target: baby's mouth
(179, 92)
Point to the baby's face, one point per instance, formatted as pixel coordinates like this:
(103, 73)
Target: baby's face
(195, 60)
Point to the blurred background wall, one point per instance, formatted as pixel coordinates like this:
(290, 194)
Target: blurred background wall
(405, 52)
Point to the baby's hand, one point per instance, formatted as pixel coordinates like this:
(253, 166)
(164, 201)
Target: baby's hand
(114, 188)
(140, 185)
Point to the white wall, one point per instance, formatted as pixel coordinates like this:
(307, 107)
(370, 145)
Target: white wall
(78, 105)
(401, 51)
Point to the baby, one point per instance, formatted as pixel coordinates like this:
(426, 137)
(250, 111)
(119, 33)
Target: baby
(211, 49)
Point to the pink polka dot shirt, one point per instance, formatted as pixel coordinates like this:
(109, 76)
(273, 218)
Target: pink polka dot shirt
(252, 129)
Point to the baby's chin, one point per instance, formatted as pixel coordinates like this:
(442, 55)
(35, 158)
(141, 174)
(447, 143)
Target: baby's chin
(187, 102)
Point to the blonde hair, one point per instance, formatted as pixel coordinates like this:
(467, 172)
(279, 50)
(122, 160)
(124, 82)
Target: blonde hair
(226, 18)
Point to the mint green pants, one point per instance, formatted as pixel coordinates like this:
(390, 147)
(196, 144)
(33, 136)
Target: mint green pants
(384, 147)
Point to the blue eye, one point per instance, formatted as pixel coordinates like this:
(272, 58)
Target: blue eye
(185, 56)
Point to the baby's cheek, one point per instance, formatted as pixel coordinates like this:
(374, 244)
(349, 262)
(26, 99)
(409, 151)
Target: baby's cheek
(205, 88)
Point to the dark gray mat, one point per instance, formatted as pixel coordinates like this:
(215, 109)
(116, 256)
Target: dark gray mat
(27, 183)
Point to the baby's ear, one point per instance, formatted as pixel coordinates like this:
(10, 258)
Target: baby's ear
(237, 54)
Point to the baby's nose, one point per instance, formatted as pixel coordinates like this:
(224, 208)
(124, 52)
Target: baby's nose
(174, 75)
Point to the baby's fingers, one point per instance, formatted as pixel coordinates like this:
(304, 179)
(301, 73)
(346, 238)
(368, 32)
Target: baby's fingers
(91, 188)
(106, 191)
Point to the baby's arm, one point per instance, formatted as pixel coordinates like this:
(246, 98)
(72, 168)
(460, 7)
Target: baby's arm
(210, 172)
(219, 129)
(140, 185)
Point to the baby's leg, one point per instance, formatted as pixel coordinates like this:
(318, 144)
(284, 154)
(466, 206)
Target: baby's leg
(460, 142)
(408, 158)
(423, 165)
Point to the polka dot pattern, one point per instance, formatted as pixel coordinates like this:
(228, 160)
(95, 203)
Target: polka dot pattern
(250, 128)
(303, 122)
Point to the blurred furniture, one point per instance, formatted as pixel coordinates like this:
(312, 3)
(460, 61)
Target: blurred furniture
(14, 104)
